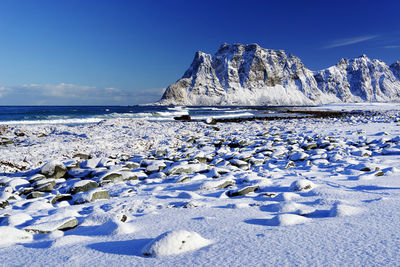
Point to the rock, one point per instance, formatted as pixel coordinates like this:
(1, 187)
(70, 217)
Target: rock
(158, 153)
(90, 163)
(239, 163)
(99, 194)
(184, 167)
(128, 175)
(365, 169)
(132, 165)
(243, 191)
(92, 195)
(183, 178)
(123, 218)
(72, 164)
(27, 190)
(309, 146)
(83, 186)
(35, 178)
(155, 166)
(213, 173)
(59, 198)
(35, 194)
(47, 227)
(43, 182)
(54, 169)
(48, 187)
(111, 177)
(290, 164)
(79, 173)
(297, 156)
(84, 156)
(3, 204)
(4, 142)
(174, 242)
(362, 153)
(219, 184)
(183, 118)
(302, 185)
(256, 161)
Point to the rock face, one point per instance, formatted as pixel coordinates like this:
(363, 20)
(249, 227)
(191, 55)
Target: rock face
(250, 75)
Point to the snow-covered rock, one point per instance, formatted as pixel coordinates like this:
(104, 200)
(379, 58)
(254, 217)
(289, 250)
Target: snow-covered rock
(302, 185)
(46, 227)
(175, 242)
(54, 169)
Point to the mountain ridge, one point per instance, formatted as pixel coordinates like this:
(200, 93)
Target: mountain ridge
(240, 74)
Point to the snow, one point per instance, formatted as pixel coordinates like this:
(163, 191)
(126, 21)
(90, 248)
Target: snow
(10, 235)
(175, 242)
(335, 207)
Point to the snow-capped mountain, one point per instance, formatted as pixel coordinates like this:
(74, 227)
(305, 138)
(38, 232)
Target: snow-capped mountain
(360, 79)
(250, 75)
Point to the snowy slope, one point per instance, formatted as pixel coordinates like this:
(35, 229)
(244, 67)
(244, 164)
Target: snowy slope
(250, 75)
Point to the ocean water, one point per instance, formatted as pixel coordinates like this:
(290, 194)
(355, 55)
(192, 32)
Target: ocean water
(93, 114)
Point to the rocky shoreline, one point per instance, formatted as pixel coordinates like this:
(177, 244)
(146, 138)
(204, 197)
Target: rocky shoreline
(281, 167)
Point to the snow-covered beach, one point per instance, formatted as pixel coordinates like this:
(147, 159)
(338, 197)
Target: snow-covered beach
(309, 191)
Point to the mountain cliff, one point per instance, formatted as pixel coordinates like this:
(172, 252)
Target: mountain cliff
(250, 75)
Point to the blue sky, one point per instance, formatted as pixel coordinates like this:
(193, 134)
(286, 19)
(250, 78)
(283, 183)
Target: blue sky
(126, 52)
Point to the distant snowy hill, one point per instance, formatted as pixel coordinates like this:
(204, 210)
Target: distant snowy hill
(250, 75)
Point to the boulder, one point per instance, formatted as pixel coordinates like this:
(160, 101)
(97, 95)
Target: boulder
(90, 196)
(83, 186)
(111, 177)
(54, 169)
(50, 226)
(59, 198)
(35, 178)
(243, 191)
(35, 194)
(48, 187)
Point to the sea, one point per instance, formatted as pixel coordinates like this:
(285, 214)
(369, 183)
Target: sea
(12, 115)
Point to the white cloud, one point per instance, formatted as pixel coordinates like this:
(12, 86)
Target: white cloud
(392, 46)
(70, 94)
(350, 41)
